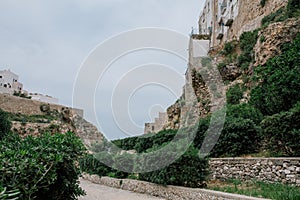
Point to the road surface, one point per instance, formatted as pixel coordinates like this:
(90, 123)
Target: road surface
(100, 192)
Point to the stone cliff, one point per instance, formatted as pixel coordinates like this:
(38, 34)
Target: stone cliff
(33, 117)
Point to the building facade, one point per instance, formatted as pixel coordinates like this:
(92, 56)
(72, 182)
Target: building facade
(9, 82)
(226, 20)
(158, 125)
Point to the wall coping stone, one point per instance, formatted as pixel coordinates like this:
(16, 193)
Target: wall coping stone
(169, 192)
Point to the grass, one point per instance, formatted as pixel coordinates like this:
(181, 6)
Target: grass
(31, 118)
(276, 191)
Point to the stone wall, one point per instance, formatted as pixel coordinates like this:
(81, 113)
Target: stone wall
(25, 106)
(167, 192)
(285, 170)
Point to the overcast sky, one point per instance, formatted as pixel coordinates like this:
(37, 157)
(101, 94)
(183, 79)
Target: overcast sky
(45, 43)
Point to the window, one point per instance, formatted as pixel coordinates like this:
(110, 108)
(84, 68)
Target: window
(5, 85)
(0, 76)
(152, 128)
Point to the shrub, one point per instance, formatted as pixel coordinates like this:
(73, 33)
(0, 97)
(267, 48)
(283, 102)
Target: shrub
(5, 124)
(228, 48)
(278, 15)
(8, 195)
(293, 8)
(239, 136)
(235, 94)
(278, 81)
(282, 131)
(189, 171)
(247, 43)
(244, 111)
(43, 167)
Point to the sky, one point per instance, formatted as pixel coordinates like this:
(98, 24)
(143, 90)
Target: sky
(47, 42)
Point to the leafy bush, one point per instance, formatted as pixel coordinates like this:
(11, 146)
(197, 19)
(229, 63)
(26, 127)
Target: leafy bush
(247, 43)
(244, 111)
(8, 195)
(235, 94)
(141, 144)
(239, 136)
(293, 8)
(282, 131)
(277, 16)
(5, 124)
(278, 81)
(189, 170)
(43, 167)
(228, 48)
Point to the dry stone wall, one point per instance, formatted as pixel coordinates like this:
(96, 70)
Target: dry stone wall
(284, 170)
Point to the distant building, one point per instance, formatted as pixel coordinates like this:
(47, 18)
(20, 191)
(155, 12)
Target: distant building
(43, 98)
(158, 125)
(9, 82)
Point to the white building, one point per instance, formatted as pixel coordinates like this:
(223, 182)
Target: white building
(9, 82)
(43, 98)
(216, 20)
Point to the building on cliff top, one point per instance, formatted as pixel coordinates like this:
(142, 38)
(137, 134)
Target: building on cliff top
(9, 82)
(226, 20)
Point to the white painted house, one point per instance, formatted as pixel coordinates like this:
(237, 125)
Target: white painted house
(9, 82)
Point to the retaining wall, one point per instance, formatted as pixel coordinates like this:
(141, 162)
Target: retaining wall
(284, 170)
(167, 192)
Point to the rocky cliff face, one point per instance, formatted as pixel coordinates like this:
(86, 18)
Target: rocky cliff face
(272, 37)
(33, 118)
(269, 41)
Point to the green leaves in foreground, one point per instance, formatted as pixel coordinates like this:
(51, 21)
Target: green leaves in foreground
(43, 167)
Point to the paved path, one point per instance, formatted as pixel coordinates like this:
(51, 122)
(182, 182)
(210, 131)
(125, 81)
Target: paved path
(100, 192)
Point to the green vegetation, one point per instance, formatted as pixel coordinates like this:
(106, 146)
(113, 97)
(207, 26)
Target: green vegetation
(239, 137)
(229, 47)
(194, 168)
(235, 94)
(292, 10)
(277, 16)
(8, 195)
(43, 167)
(278, 81)
(20, 94)
(31, 118)
(283, 132)
(5, 124)
(247, 43)
(276, 191)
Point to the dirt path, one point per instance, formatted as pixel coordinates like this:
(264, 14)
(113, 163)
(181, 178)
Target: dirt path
(100, 192)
